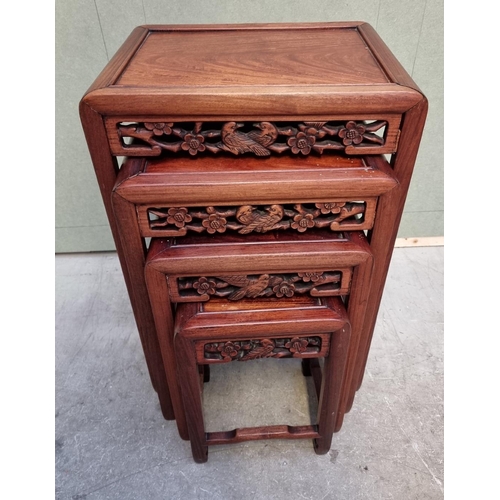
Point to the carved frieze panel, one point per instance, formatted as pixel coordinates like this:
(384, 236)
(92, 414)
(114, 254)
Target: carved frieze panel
(246, 350)
(152, 137)
(340, 215)
(237, 287)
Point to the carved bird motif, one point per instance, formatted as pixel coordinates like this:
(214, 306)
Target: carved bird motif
(238, 142)
(267, 135)
(316, 125)
(264, 350)
(247, 287)
(255, 220)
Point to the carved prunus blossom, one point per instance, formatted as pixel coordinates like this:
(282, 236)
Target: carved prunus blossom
(260, 139)
(260, 219)
(237, 287)
(246, 350)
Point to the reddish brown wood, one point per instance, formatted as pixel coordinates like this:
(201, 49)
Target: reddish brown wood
(313, 369)
(214, 322)
(391, 66)
(191, 387)
(222, 255)
(106, 170)
(248, 349)
(230, 181)
(246, 219)
(164, 320)
(334, 372)
(133, 250)
(265, 432)
(321, 67)
(185, 257)
(260, 139)
(384, 233)
(236, 287)
(233, 58)
(199, 78)
(264, 256)
(357, 302)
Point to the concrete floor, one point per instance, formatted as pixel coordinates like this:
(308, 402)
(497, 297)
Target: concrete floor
(112, 442)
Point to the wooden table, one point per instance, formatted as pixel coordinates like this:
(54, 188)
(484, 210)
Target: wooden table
(246, 94)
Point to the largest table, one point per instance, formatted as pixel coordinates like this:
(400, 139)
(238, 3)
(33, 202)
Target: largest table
(253, 91)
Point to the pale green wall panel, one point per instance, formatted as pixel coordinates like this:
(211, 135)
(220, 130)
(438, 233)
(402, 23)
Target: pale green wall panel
(399, 25)
(84, 239)
(118, 18)
(88, 33)
(259, 11)
(421, 224)
(80, 56)
(427, 187)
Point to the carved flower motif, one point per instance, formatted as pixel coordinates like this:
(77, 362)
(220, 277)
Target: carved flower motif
(193, 143)
(352, 133)
(284, 289)
(229, 350)
(312, 128)
(332, 207)
(297, 345)
(302, 221)
(215, 223)
(204, 286)
(178, 216)
(301, 143)
(160, 128)
(210, 348)
(306, 277)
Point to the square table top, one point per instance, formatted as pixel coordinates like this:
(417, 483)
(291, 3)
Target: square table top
(216, 70)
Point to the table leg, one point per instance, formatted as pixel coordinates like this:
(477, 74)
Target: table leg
(106, 170)
(383, 235)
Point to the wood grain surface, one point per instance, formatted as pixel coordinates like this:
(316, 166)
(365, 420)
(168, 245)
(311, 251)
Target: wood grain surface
(221, 181)
(293, 70)
(256, 57)
(194, 324)
(253, 73)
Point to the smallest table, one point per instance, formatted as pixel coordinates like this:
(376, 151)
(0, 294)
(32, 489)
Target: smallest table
(301, 327)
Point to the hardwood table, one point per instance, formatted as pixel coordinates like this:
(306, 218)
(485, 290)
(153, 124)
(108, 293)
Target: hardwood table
(249, 93)
(275, 267)
(302, 328)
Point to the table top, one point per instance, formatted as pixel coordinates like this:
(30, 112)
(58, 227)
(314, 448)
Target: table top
(224, 181)
(220, 70)
(252, 57)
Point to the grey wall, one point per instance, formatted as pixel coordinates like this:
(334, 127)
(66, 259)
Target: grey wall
(88, 32)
